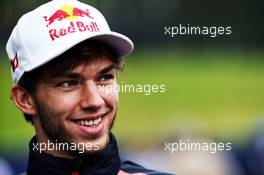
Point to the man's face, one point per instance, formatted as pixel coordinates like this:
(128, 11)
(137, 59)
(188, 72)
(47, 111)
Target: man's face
(76, 107)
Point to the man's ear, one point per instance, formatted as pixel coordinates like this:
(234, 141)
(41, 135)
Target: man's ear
(23, 100)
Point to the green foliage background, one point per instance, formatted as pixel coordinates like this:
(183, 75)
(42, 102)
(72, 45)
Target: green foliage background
(216, 93)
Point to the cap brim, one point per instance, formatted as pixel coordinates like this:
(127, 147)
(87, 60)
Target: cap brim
(120, 43)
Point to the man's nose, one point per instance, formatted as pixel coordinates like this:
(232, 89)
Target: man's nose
(91, 98)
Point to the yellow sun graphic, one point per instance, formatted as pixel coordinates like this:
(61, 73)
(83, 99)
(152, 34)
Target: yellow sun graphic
(68, 8)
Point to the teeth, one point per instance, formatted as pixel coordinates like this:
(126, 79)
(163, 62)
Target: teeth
(95, 121)
(91, 123)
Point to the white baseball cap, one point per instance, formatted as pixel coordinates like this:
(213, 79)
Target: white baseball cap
(51, 29)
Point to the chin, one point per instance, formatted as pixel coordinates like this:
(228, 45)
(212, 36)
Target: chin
(95, 145)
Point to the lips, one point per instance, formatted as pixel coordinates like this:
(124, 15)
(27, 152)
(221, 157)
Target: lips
(90, 125)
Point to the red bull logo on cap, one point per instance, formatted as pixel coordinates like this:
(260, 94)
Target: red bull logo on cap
(72, 14)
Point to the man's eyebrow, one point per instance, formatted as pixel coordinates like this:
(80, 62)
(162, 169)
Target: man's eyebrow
(108, 68)
(77, 75)
(70, 75)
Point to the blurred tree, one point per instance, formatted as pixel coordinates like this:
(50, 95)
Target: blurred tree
(144, 20)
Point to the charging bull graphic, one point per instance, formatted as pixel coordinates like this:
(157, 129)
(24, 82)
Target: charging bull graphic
(67, 12)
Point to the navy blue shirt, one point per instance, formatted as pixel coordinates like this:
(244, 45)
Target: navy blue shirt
(106, 162)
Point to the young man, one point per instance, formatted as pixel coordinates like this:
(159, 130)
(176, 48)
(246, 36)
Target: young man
(64, 61)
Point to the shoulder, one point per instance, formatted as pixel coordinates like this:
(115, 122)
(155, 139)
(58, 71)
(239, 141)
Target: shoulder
(132, 167)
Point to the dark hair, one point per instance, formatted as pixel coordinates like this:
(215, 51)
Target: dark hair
(67, 61)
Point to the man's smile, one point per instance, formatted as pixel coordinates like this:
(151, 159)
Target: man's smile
(91, 125)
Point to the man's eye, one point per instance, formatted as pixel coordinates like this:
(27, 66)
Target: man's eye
(105, 77)
(70, 83)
